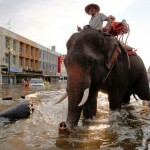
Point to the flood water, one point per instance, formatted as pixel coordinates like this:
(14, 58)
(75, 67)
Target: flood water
(128, 129)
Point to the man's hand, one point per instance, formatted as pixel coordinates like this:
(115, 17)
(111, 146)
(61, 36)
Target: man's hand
(79, 28)
(105, 29)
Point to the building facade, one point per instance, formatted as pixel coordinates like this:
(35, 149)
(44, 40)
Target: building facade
(22, 58)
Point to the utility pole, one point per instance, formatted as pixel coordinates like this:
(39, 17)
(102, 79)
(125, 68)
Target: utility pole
(9, 52)
(0, 74)
(9, 67)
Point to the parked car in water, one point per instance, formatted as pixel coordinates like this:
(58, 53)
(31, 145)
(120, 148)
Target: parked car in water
(62, 79)
(36, 82)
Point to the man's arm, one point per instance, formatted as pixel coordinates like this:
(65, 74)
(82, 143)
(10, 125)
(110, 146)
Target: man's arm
(107, 27)
(84, 27)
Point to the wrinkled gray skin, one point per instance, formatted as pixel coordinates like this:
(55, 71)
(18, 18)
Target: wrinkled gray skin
(89, 58)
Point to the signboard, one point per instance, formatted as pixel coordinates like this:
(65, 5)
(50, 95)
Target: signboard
(15, 69)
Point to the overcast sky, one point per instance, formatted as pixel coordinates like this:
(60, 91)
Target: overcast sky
(51, 22)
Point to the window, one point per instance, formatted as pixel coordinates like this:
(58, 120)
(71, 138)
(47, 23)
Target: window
(21, 50)
(20, 61)
(43, 54)
(40, 64)
(26, 62)
(44, 65)
(53, 58)
(14, 45)
(47, 56)
(7, 42)
(26, 49)
(6, 58)
(31, 63)
(40, 53)
(21, 47)
(14, 60)
(31, 51)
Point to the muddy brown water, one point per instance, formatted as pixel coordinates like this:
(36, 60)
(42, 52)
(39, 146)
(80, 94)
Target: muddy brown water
(128, 129)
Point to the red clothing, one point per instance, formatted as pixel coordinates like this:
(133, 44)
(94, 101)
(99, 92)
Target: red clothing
(26, 84)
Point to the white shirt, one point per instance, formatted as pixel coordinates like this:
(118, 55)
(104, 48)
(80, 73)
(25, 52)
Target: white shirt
(96, 21)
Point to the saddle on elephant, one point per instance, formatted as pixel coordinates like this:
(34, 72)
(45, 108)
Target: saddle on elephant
(119, 28)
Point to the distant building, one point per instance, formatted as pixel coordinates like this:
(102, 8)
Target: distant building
(22, 58)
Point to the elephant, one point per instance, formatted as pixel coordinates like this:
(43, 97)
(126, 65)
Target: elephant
(97, 62)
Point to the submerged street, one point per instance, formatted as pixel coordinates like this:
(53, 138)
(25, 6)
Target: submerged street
(119, 130)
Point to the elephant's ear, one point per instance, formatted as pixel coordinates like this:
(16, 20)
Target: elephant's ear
(112, 56)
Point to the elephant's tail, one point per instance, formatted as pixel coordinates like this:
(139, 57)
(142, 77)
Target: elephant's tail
(135, 97)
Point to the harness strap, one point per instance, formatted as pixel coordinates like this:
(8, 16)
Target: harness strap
(108, 73)
(113, 66)
(129, 65)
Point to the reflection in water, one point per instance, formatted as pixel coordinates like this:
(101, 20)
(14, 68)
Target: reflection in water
(119, 130)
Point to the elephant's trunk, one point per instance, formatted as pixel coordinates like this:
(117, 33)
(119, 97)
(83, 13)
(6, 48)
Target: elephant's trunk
(78, 84)
(65, 128)
(62, 128)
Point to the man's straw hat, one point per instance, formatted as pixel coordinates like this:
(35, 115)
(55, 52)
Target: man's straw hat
(92, 5)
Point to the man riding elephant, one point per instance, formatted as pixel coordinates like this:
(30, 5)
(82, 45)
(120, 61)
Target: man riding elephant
(97, 18)
(96, 22)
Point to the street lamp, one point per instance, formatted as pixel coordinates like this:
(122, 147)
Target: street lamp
(9, 64)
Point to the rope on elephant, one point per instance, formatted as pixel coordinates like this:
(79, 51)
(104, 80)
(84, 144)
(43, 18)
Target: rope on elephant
(108, 73)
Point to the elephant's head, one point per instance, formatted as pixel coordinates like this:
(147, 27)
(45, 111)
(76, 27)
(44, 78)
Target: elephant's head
(89, 55)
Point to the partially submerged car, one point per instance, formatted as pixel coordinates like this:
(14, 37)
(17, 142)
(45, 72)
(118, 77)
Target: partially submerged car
(36, 82)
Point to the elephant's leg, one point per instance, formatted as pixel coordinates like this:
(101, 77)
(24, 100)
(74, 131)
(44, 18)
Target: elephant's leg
(142, 89)
(126, 99)
(115, 100)
(90, 107)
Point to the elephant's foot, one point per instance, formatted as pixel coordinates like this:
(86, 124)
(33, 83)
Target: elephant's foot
(63, 129)
(125, 103)
(88, 114)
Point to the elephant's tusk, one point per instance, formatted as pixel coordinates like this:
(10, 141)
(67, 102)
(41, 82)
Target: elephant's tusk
(85, 96)
(62, 98)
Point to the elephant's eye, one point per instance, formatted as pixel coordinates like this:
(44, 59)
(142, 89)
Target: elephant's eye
(91, 61)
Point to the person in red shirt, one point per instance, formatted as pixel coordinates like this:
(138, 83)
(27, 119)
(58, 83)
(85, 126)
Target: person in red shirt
(27, 83)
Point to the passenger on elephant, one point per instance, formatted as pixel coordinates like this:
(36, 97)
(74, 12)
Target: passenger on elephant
(119, 28)
(96, 22)
(97, 19)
